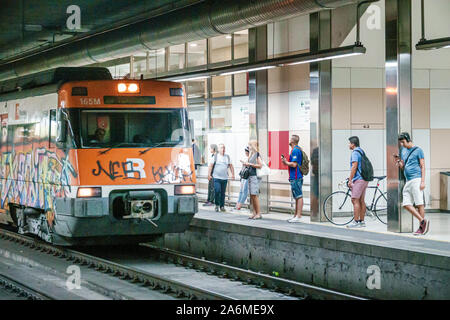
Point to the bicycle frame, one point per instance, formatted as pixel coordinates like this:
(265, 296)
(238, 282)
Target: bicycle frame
(371, 207)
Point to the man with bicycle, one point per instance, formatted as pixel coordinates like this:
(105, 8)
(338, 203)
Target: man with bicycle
(412, 162)
(357, 184)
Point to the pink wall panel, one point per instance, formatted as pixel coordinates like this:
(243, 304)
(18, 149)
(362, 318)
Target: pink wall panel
(278, 145)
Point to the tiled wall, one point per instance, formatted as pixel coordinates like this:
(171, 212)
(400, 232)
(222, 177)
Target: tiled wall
(359, 101)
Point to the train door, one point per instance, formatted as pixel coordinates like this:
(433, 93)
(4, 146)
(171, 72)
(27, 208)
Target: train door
(3, 150)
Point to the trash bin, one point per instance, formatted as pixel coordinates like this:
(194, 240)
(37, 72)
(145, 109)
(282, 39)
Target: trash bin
(445, 191)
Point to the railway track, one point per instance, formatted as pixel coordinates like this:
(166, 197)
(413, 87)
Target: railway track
(13, 290)
(288, 287)
(163, 284)
(174, 274)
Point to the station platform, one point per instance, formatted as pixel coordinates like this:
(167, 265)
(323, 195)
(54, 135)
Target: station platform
(338, 258)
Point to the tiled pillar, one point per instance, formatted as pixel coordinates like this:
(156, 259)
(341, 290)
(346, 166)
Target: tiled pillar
(398, 104)
(321, 135)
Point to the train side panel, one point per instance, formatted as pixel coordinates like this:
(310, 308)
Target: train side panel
(33, 171)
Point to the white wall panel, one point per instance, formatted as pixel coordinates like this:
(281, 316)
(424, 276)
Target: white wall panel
(278, 111)
(341, 78)
(439, 109)
(421, 78)
(440, 79)
(366, 78)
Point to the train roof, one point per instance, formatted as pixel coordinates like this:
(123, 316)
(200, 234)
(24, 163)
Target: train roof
(56, 76)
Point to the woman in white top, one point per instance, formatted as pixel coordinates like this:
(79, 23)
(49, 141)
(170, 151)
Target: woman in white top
(254, 162)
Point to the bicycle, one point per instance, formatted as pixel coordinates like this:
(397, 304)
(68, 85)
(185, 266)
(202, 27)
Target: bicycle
(338, 207)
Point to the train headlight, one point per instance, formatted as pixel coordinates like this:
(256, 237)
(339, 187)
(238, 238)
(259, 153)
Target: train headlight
(89, 192)
(127, 88)
(133, 87)
(122, 87)
(184, 189)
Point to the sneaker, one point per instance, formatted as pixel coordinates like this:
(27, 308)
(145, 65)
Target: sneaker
(362, 224)
(419, 231)
(208, 204)
(222, 209)
(425, 226)
(354, 224)
(294, 220)
(217, 208)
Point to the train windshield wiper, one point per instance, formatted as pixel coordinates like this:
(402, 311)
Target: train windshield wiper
(113, 146)
(154, 146)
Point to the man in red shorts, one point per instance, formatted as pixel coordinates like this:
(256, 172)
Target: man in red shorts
(357, 184)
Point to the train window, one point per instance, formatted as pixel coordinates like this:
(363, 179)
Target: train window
(133, 128)
(45, 127)
(4, 129)
(53, 128)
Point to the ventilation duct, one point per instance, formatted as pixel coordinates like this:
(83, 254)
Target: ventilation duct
(204, 20)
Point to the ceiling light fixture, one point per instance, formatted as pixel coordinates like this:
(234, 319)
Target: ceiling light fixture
(247, 70)
(425, 44)
(440, 43)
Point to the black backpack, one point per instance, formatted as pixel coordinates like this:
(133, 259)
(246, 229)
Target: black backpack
(366, 167)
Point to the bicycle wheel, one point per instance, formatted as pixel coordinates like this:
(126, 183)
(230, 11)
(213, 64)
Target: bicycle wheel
(381, 208)
(338, 208)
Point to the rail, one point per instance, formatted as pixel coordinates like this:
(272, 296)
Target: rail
(289, 287)
(229, 196)
(153, 281)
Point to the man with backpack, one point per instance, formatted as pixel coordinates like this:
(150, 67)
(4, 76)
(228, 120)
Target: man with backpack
(412, 162)
(361, 172)
(218, 172)
(298, 167)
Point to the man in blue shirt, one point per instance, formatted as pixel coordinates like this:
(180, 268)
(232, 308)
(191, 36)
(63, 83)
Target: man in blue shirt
(412, 162)
(295, 176)
(357, 184)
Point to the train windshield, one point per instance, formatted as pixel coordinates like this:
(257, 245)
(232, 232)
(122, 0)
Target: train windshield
(134, 128)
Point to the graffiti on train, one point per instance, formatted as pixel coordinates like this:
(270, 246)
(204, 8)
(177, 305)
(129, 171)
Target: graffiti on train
(177, 172)
(134, 168)
(34, 178)
(129, 169)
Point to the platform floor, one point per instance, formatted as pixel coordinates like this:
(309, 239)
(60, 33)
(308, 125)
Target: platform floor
(437, 241)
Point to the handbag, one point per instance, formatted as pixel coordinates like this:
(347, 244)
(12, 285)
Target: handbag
(264, 171)
(244, 173)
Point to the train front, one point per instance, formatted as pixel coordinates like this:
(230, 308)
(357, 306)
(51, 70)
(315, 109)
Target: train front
(132, 175)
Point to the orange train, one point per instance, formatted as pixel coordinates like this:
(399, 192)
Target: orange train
(85, 159)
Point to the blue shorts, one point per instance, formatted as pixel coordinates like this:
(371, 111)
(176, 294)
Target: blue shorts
(296, 187)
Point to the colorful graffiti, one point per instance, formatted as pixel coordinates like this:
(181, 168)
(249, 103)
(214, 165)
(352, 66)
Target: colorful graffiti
(134, 168)
(34, 178)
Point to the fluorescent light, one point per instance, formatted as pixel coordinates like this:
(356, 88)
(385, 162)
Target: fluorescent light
(440, 43)
(247, 70)
(190, 79)
(228, 36)
(193, 44)
(308, 57)
(324, 58)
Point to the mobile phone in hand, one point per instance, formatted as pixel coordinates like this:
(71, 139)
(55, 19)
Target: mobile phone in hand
(282, 156)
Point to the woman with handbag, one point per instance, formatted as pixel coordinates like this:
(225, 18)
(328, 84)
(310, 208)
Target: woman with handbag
(243, 192)
(254, 162)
